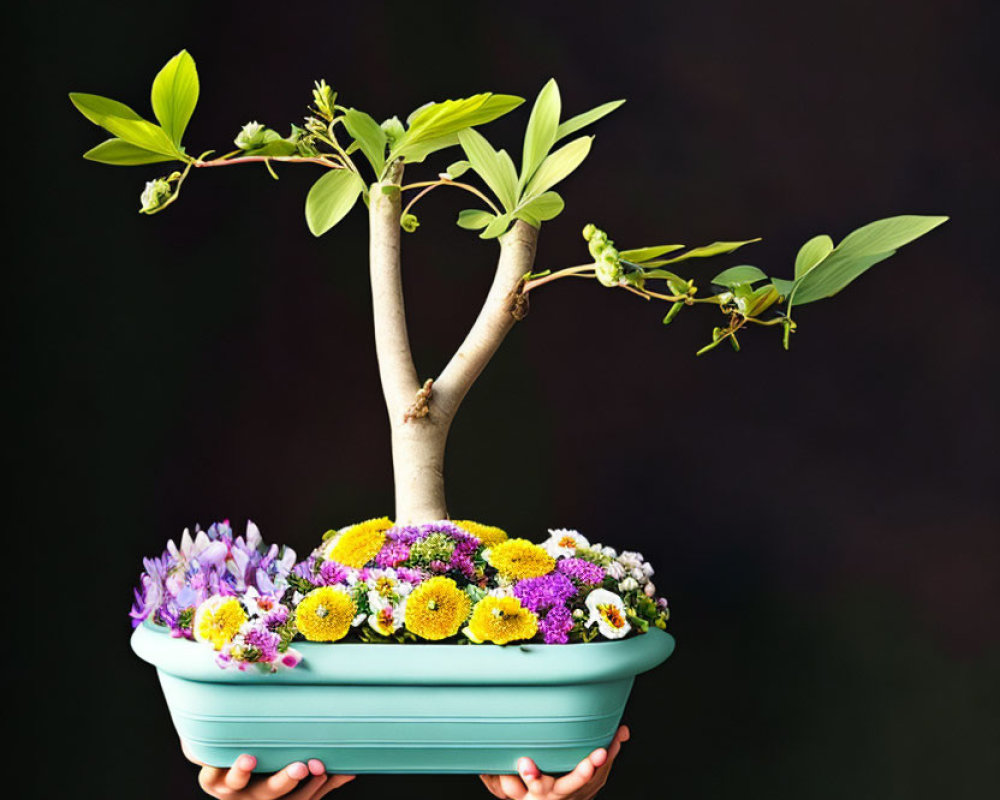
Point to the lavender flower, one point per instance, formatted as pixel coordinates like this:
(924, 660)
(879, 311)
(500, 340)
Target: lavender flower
(544, 592)
(586, 572)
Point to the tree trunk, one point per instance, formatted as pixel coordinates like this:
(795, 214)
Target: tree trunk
(420, 421)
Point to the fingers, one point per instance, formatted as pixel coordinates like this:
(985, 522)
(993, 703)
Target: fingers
(578, 778)
(512, 787)
(532, 777)
(238, 776)
(492, 783)
(282, 782)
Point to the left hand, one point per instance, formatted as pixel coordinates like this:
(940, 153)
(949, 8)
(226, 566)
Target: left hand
(582, 783)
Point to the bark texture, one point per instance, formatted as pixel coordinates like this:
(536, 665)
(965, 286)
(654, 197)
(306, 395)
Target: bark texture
(418, 442)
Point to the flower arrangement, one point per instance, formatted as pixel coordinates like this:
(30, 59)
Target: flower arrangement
(375, 582)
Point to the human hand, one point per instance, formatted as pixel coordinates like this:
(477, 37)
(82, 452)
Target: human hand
(582, 783)
(238, 783)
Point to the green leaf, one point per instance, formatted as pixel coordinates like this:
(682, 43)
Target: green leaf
(369, 136)
(276, 147)
(707, 251)
(783, 286)
(123, 122)
(831, 275)
(744, 273)
(888, 234)
(761, 300)
(674, 280)
(858, 252)
(437, 120)
(415, 153)
(811, 253)
(95, 108)
(574, 124)
(558, 166)
(540, 134)
(457, 169)
(545, 206)
(472, 219)
(175, 95)
(497, 227)
(330, 198)
(493, 167)
(115, 151)
(641, 254)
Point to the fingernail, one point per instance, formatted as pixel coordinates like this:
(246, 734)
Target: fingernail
(298, 770)
(316, 767)
(246, 763)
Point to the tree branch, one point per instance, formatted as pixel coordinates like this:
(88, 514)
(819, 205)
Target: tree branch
(517, 255)
(392, 344)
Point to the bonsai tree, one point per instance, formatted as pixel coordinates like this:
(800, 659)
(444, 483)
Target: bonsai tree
(361, 158)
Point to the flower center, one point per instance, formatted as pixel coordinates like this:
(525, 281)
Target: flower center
(612, 616)
(322, 611)
(567, 541)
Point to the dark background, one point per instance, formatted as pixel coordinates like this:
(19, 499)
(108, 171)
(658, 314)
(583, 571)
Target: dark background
(824, 521)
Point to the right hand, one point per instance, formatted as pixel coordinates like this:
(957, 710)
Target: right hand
(238, 782)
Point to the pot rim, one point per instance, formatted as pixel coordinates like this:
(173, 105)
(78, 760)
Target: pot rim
(418, 664)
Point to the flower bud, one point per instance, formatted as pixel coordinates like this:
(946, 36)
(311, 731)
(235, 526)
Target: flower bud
(649, 589)
(628, 585)
(393, 130)
(578, 613)
(409, 223)
(588, 231)
(324, 97)
(155, 195)
(251, 135)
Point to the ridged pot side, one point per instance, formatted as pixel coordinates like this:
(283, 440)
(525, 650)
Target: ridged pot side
(404, 708)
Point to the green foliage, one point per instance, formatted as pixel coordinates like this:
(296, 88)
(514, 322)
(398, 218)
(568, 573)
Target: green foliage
(370, 137)
(121, 121)
(434, 126)
(526, 195)
(121, 153)
(736, 275)
(175, 94)
(857, 253)
(330, 198)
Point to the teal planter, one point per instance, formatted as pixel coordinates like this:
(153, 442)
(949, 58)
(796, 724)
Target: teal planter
(430, 708)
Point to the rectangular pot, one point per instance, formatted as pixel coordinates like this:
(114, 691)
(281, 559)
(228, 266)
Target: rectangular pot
(386, 708)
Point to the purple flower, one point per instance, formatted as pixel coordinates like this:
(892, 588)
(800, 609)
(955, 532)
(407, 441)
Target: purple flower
(555, 625)
(393, 553)
(330, 573)
(264, 641)
(544, 592)
(579, 569)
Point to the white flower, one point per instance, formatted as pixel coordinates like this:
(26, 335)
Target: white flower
(639, 575)
(647, 569)
(630, 560)
(563, 542)
(386, 582)
(610, 552)
(608, 611)
(501, 591)
(649, 589)
(616, 571)
(385, 618)
(154, 195)
(628, 585)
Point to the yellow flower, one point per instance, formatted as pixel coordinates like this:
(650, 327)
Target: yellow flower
(359, 544)
(325, 614)
(218, 620)
(501, 620)
(436, 609)
(487, 534)
(518, 559)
